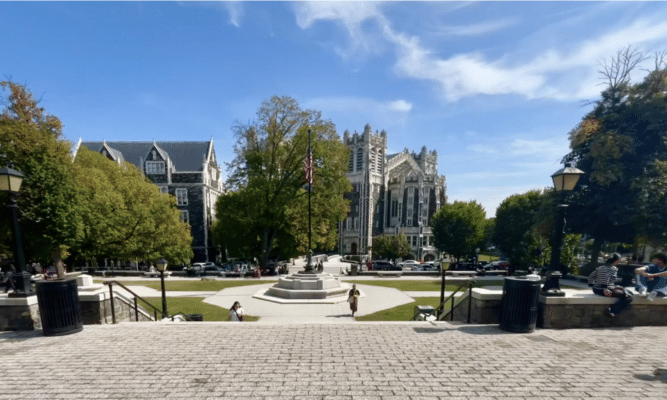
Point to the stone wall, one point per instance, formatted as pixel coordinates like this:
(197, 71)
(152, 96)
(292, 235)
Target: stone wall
(587, 310)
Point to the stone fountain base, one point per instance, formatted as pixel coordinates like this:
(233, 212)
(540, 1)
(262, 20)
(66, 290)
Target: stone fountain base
(304, 288)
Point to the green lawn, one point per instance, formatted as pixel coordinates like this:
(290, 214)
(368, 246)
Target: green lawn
(190, 286)
(421, 286)
(402, 313)
(195, 305)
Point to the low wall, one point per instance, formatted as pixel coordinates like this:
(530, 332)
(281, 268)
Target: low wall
(588, 310)
(95, 302)
(577, 309)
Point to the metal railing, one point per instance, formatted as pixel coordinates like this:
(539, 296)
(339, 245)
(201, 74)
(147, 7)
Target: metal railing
(440, 311)
(136, 305)
(441, 315)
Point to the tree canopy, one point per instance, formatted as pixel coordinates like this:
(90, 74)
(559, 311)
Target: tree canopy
(620, 145)
(125, 215)
(86, 207)
(266, 208)
(459, 228)
(391, 247)
(48, 198)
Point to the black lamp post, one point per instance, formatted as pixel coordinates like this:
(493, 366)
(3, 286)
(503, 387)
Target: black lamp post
(565, 180)
(10, 183)
(162, 266)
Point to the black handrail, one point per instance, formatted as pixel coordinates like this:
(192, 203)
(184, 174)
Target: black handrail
(441, 314)
(441, 307)
(136, 296)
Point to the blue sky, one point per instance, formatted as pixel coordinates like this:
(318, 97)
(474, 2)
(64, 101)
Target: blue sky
(494, 87)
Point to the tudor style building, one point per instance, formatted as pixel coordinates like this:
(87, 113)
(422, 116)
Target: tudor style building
(187, 170)
(392, 194)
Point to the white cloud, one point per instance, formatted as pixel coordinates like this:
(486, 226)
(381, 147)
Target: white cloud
(363, 109)
(478, 29)
(553, 73)
(400, 106)
(235, 10)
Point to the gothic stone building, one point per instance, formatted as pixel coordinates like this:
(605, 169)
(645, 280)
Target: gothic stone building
(392, 194)
(187, 170)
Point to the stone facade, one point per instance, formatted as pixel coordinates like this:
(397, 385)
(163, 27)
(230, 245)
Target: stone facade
(187, 170)
(392, 194)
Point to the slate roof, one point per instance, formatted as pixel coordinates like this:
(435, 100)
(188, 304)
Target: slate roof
(186, 156)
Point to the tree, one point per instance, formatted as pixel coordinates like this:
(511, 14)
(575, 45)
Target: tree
(48, 197)
(514, 233)
(125, 215)
(391, 247)
(620, 145)
(459, 228)
(267, 176)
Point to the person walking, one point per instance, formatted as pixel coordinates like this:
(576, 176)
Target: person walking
(353, 299)
(236, 312)
(603, 280)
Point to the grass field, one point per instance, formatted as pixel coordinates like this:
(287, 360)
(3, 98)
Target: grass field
(190, 286)
(402, 313)
(195, 305)
(422, 286)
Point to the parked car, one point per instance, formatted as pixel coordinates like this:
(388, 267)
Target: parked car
(410, 264)
(385, 266)
(464, 267)
(213, 270)
(497, 265)
(429, 266)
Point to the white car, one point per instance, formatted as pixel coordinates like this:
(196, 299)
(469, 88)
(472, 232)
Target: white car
(410, 264)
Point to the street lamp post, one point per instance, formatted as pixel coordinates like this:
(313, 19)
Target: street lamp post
(10, 183)
(565, 179)
(162, 266)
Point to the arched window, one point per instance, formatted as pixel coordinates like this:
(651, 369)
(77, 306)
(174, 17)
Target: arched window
(360, 159)
(351, 161)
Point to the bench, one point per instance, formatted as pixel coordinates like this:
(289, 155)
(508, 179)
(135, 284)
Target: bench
(156, 274)
(462, 273)
(389, 273)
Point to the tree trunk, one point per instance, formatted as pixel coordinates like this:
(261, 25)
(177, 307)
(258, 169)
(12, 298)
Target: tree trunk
(57, 254)
(588, 268)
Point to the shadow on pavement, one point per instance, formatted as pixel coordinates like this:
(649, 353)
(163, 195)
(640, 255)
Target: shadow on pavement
(339, 316)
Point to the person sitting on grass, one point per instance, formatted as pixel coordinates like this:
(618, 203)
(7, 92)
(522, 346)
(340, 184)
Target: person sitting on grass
(603, 280)
(236, 312)
(652, 278)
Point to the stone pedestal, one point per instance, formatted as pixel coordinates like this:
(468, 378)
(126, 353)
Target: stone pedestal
(304, 287)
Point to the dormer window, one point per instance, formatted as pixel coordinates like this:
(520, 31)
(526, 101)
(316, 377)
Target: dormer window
(155, 167)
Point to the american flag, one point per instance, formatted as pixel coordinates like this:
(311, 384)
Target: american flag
(308, 167)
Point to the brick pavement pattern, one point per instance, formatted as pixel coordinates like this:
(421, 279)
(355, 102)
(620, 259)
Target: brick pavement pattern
(332, 361)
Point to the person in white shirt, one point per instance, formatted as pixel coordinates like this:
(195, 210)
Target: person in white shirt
(236, 312)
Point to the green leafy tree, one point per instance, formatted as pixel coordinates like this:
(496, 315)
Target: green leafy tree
(391, 247)
(267, 176)
(514, 234)
(620, 145)
(459, 228)
(125, 215)
(51, 217)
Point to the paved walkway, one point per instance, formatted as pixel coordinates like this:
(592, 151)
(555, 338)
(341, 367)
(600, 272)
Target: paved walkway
(378, 361)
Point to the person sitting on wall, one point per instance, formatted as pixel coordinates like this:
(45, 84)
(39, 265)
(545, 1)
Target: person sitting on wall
(652, 278)
(603, 280)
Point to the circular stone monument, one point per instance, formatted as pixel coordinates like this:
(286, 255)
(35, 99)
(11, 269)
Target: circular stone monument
(307, 287)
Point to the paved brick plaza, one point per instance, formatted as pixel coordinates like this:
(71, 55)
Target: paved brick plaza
(332, 361)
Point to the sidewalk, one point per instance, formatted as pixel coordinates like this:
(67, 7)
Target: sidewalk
(371, 361)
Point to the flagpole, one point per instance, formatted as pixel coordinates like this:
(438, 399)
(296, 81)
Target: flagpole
(309, 267)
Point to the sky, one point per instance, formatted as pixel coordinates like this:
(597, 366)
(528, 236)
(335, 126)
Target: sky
(493, 87)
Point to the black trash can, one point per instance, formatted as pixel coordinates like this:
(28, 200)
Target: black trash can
(59, 307)
(519, 304)
(195, 317)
